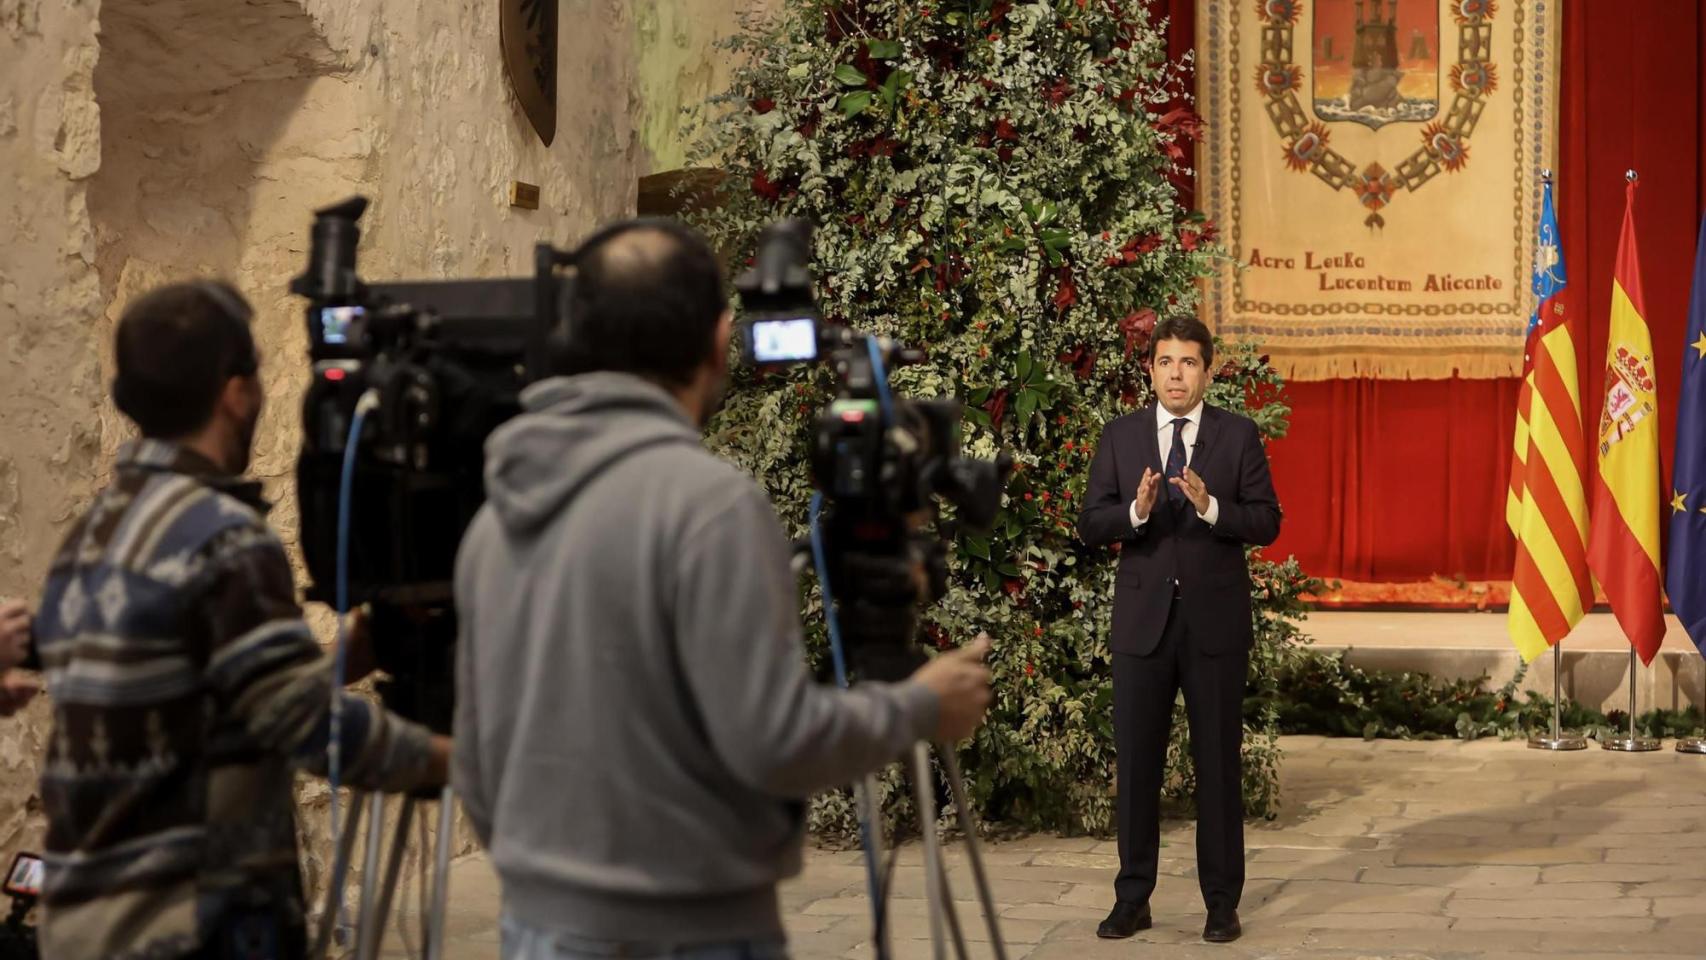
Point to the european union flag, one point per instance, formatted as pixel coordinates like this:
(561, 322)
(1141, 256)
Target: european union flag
(1685, 581)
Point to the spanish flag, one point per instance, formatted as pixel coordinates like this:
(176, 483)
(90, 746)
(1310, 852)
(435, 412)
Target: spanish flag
(1623, 546)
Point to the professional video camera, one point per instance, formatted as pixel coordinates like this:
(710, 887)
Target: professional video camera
(420, 373)
(883, 463)
(408, 380)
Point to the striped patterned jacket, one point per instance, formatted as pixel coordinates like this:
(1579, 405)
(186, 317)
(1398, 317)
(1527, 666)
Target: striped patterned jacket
(187, 690)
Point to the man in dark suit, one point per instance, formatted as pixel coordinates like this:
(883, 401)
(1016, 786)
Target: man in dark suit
(1183, 487)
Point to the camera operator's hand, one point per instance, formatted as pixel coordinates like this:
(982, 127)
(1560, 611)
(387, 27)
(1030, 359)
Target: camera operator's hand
(961, 684)
(359, 659)
(16, 691)
(14, 633)
(438, 761)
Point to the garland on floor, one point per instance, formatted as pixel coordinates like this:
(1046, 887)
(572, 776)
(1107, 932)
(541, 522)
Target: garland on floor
(1320, 693)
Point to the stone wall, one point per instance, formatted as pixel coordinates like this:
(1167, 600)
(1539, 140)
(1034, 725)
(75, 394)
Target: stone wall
(147, 140)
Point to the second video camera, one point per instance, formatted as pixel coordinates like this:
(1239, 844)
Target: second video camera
(883, 463)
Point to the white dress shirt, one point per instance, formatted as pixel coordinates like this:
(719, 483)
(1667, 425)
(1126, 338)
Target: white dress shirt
(1164, 434)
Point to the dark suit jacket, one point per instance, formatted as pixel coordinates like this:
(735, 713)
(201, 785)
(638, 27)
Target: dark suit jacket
(1208, 562)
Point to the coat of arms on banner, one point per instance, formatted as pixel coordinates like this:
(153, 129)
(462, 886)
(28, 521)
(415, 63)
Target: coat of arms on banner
(1375, 167)
(1376, 61)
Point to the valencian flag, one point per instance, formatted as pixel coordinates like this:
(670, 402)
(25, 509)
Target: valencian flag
(1685, 575)
(1547, 508)
(1623, 547)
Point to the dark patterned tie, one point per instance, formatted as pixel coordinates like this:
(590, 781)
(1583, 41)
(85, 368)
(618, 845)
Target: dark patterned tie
(1176, 461)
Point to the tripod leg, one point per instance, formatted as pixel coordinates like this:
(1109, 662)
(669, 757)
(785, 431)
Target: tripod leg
(393, 868)
(951, 763)
(440, 877)
(952, 914)
(871, 827)
(335, 889)
(933, 887)
(370, 872)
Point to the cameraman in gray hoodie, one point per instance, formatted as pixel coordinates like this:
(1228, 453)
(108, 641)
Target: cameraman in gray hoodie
(637, 730)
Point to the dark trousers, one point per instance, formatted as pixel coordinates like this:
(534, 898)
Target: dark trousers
(1144, 691)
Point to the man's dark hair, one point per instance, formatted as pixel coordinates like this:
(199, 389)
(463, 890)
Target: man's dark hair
(1187, 328)
(645, 299)
(176, 348)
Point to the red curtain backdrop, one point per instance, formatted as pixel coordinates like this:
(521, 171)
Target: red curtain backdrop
(1392, 481)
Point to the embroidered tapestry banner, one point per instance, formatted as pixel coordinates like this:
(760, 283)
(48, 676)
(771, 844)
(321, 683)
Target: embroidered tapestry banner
(1375, 168)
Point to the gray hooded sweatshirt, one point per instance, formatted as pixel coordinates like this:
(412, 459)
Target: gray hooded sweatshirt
(636, 730)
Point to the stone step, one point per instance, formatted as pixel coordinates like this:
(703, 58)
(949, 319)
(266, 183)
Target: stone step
(1468, 644)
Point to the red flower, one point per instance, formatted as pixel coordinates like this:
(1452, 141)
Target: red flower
(1005, 153)
(1081, 359)
(1030, 669)
(1066, 294)
(1045, 496)
(996, 406)
(763, 105)
(1014, 587)
(1189, 239)
(1180, 122)
(762, 185)
(1137, 326)
(1037, 631)
(1004, 130)
(1058, 91)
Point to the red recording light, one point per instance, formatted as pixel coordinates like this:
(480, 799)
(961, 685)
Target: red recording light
(852, 416)
(334, 374)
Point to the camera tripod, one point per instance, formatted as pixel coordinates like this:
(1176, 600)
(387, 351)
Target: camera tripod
(377, 893)
(944, 919)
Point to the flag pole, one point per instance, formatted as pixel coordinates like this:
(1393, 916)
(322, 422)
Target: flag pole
(1632, 743)
(1558, 741)
(1696, 744)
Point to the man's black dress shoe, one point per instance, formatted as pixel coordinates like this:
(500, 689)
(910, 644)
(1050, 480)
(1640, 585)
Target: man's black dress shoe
(1124, 920)
(1222, 927)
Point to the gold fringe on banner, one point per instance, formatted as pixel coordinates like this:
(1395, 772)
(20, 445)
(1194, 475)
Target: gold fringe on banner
(1390, 364)
(1374, 169)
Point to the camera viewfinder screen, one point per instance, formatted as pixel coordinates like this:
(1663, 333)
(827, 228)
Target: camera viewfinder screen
(335, 323)
(776, 341)
(25, 877)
